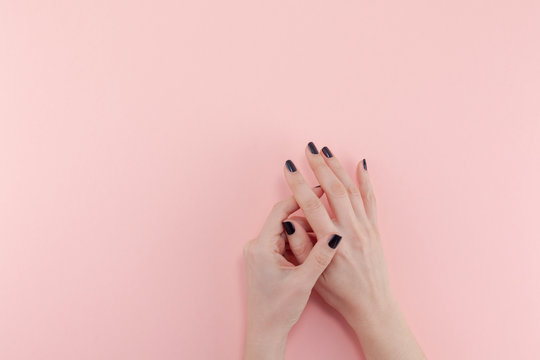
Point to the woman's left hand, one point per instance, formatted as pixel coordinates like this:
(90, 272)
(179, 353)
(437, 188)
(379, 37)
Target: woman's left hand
(277, 290)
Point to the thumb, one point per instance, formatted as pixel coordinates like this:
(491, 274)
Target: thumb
(320, 257)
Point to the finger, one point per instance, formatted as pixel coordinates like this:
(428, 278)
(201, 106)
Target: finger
(320, 257)
(368, 196)
(311, 205)
(303, 222)
(299, 240)
(281, 211)
(334, 189)
(289, 256)
(352, 189)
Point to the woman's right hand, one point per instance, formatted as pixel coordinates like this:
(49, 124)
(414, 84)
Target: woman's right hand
(356, 282)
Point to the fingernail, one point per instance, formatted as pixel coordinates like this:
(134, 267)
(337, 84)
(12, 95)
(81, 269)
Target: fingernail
(326, 151)
(290, 166)
(312, 148)
(334, 241)
(289, 227)
(365, 164)
(318, 186)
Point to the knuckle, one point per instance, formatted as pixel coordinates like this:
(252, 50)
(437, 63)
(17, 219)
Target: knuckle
(279, 208)
(337, 189)
(353, 190)
(312, 204)
(321, 259)
(370, 197)
(251, 249)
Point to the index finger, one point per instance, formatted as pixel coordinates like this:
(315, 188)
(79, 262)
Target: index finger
(311, 205)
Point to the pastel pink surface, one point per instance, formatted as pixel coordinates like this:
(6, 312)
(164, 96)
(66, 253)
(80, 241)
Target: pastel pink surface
(142, 144)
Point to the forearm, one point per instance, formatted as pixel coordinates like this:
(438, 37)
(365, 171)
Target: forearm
(384, 334)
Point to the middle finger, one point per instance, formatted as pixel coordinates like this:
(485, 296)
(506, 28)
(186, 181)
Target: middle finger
(334, 189)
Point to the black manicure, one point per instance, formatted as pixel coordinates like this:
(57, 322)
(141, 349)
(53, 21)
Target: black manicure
(318, 186)
(290, 166)
(334, 241)
(326, 151)
(312, 148)
(289, 227)
(365, 164)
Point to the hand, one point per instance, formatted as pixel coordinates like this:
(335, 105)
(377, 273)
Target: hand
(356, 282)
(277, 290)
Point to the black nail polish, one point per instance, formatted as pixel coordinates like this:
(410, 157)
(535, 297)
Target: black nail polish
(312, 148)
(289, 227)
(318, 186)
(290, 166)
(334, 241)
(365, 164)
(326, 151)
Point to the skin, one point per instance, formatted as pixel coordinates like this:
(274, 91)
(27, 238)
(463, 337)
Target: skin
(352, 278)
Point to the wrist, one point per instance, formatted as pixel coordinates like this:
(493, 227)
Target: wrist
(264, 343)
(385, 334)
(369, 314)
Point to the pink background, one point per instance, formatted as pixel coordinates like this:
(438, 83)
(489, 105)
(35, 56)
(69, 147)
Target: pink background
(142, 144)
